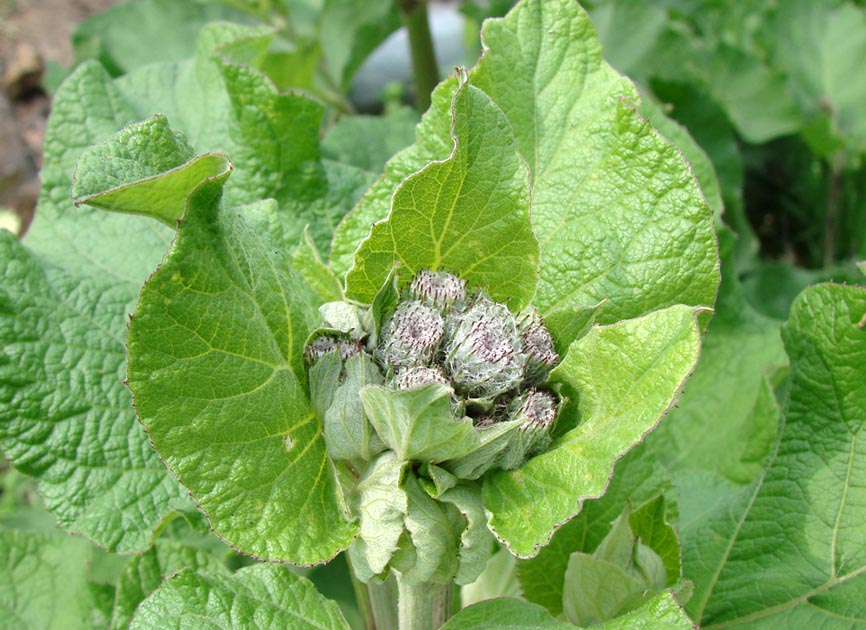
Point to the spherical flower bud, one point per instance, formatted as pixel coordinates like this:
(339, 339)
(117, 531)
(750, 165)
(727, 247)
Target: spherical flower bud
(418, 376)
(438, 288)
(324, 344)
(536, 408)
(537, 347)
(482, 354)
(411, 335)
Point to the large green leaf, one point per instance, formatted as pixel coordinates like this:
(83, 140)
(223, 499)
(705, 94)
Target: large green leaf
(223, 103)
(64, 414)
(155, 170)
(349, 31)
(216, 369)
(616, 210)
(700, 162)
(790, 550)
(369, 141)
(43, 582)
(261, 596)
(726, 419)
(505, 614)
(620, 379)
(432, 142)
(468, 214)
(754, 95)
(133, 34)
(145, 573)
(660, 613)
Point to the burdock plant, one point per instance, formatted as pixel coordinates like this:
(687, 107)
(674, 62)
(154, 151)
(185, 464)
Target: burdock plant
(506, 311)
(449, 390)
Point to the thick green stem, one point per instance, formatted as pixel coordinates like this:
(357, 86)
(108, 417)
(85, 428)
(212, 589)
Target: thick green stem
(424, 68)
(383, 599)
(377, 602)
(362, 598)
(424, 607)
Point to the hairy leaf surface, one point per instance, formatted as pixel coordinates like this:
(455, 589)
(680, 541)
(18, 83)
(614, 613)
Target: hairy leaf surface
(620, 378)
(145, 573)
(64, 414)
(616, 210)
(216, 369)
(726, 419)
(43, 582)
(261, 596)
(788, 551)
(468, 214)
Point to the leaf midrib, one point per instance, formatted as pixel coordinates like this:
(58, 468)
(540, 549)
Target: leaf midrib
(791, 603)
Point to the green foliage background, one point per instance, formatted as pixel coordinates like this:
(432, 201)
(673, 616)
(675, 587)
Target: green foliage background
(750, 491)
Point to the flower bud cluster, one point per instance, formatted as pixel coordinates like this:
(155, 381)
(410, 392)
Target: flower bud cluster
(493, 360)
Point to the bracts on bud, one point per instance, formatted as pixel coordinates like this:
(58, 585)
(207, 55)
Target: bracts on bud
(493, 361)
(411, 335)
(438, 288)
(537, 346)
(483, 354)
(536, 411)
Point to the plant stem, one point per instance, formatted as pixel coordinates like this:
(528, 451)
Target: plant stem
(362, 598)
(377, 601)
(383, 599)
(423, 607)
(424, 68)
(837, 166)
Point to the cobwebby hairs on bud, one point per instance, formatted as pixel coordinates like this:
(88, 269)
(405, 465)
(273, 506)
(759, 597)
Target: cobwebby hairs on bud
(537, 346)
(439, 288)
(418, 376)
(411, 335)
(483, 353)
(324, 344)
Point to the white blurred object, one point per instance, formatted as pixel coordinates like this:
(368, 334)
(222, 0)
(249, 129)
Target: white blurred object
(391, 62)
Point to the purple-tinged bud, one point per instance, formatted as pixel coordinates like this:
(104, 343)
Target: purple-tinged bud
(483, 350)
(411, 335)
(538, 348)
(324, 344)
(439, 288)
(418, 376)
(536, 409)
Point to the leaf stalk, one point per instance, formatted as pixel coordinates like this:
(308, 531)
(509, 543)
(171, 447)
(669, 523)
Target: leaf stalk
(416, 19)
(426, 606)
